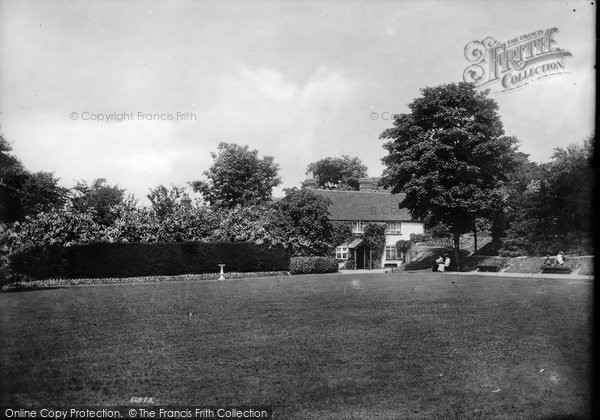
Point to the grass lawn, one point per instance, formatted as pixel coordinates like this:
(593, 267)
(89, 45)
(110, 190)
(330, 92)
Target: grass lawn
(401, 345)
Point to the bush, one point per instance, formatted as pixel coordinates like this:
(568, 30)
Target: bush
(313, 265)
(147, 259)
(420, 237)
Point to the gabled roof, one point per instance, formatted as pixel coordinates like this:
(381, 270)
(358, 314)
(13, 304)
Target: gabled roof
(355, 243)
(366, 206)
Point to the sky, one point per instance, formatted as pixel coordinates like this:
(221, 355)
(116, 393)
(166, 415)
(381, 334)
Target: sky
(299, 81)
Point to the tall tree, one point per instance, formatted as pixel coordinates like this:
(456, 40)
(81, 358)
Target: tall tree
(305, 216)
(23, 193)
(238, 177)
(98, 196)
(338, 173)
(515, 192)
(555, 209)
(450, 156)
(165, 201)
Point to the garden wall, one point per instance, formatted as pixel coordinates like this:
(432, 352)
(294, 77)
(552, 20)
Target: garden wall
(148, 259)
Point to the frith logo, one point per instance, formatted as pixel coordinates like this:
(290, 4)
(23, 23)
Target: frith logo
(514, 63)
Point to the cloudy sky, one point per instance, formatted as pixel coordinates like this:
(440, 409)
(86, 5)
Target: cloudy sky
(298, 81)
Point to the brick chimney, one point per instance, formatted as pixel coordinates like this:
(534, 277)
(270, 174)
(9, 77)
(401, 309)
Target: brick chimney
(367, 184)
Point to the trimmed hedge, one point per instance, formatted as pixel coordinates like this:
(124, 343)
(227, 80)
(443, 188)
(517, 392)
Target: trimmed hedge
(313, 265)
(148, 259)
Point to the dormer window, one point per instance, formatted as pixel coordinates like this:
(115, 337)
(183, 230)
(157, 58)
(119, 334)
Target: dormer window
(358, 227)
(393, 228)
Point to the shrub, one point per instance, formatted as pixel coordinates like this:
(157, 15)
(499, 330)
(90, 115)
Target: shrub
(420, 237)
(147, 259)
(313, 265)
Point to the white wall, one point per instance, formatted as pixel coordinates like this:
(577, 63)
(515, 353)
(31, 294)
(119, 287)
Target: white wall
(406, 228)
(411, 227)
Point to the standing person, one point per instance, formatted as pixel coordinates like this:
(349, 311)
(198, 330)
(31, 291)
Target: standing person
(560, 258)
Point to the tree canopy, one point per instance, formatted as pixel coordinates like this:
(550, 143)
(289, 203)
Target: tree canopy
(98, 196)
(450, 156)
(554, 210)
(305, 219)
(334, 173)
(164, 200)
(24, 193)
(238, 177)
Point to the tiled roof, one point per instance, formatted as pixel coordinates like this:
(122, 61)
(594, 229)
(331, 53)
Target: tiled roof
(365, 206)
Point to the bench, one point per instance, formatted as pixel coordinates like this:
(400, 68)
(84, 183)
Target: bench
(490, 267)
(492, 264)
(548, 269)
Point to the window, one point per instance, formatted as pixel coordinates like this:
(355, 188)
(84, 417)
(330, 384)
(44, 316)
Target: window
(393, 227)
(391, 253)
(358, 227)
(341, 253)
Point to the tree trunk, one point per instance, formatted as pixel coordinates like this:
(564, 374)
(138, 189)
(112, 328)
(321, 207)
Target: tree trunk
(474, 239)
(457, 249)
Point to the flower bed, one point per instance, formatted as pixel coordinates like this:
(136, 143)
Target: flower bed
(54, 283)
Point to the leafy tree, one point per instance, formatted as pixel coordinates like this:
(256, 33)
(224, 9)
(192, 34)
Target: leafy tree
(132, 224)
(99, 196)
(341, 232)
(165, 201)
(306, 220)
(64, 226)
(238, 177)
(514, 193)
(257, 223)
(41, 192)
(450, 156)
(571, 178)
(338, 173)
(23, 193)
(554, 212)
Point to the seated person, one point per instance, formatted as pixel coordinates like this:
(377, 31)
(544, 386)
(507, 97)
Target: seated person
(443, 263)
(560, 258)
(437, 262)
(547, 261)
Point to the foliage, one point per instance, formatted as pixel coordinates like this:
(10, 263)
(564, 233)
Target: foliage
(306, 224)
(554, 211)
(514, 190)
(23, 193)
(64, 226)
(257, 223)
(238, 177)
(350, 263)
(338, 173)
(420, 237)
(98, 196)
(450, 156)
(374, 237)
(147, 259)
(132, 224)
(313, 265)
(341, 233)
(165, 201)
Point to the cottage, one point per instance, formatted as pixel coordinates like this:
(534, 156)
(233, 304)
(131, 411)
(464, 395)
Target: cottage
(371, 204)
